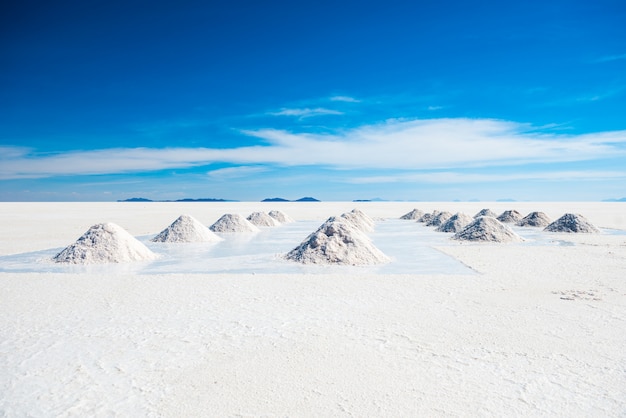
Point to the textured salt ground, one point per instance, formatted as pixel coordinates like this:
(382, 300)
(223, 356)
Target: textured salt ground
(499, 343)
(520, 338)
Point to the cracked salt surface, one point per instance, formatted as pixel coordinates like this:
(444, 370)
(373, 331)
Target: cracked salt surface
(411, 246)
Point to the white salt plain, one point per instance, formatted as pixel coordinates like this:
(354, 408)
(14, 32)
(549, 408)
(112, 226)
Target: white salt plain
(534, 328)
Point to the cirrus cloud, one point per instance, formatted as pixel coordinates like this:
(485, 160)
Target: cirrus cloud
(395, 144)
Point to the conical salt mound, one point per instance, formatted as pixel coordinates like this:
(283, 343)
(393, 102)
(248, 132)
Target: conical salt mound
(535, 219)
(186, 229)
(571, 222)
(456, 223)
(414, 215)
(487, 229)
(439, 219)
(262, 219)
(105, 243)
(486, 212)
(359, 220)
(428, 216)
(233, 223)
(337, 242)
(510, 216)
(280, 216)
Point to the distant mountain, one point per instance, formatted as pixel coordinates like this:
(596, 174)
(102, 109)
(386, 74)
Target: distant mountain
(203, 200)
(136, 199)
(280, 199)
(376, 199)
(623, 199)
(142, 199)
(274, 199)
(506, 200)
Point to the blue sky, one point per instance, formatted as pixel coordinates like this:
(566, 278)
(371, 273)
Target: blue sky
(400, 100)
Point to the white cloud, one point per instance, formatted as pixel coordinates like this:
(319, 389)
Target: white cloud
(236, 172)
(306, 112)
(609, 58)
(395, 144)
(451, 177)
(346, 99)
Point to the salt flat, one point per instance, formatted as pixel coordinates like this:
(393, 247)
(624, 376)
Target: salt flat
(535, 328)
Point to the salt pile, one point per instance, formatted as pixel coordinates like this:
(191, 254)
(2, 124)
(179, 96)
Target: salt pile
(280, 216)
(262, 219)
(337, 242)
(439, 219)
(510, 216)
(487, 229)
(233, 223)
(415, 214)
(572, 222)
(456, 223)
(186, 229)
(428, 216)
(535, 219)
(486, 212)
(105, 243)
(359, 220)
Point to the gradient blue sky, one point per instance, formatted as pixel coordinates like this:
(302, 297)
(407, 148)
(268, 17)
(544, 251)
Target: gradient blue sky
(400, 100)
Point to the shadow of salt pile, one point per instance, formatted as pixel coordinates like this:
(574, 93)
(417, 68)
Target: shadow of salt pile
(340, 240)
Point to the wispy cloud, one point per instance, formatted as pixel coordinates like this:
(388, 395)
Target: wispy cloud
(607, 94)
(236, 172)
(306, 112)
(346, 99)
(609, 58)
(396, 144)
(452, 177)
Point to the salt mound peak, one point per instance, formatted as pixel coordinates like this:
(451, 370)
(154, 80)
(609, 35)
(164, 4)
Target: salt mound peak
(262, 219)
(456, 223)
(337, 242)
(186, 229)
(572, 222)
(280, 216)
(415, 214)
(510, 216)
(359, 220)
(232, 222)
(439, 219)
(105, 243)
(426, 217)
(487, 229)
(535, 219)
(486, 212)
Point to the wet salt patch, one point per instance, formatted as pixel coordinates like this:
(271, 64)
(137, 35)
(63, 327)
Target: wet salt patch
(410, 245)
